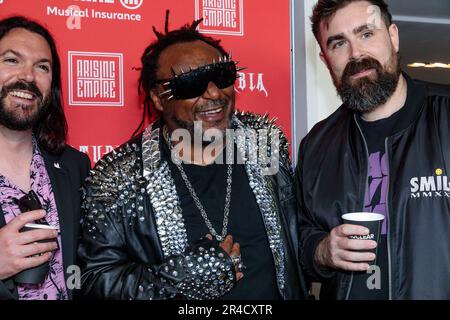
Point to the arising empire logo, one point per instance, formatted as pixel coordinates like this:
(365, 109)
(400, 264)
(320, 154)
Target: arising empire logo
(95, 79)
(220, 16)
(437, 186)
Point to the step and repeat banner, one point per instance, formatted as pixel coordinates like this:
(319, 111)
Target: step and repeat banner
(100, 43)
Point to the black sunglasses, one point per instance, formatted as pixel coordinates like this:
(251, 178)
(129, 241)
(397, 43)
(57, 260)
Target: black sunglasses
(194, 83)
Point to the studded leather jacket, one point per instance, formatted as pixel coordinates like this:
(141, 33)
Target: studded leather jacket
(134, 243)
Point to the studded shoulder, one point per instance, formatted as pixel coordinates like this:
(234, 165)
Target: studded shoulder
(115, 181)
(262, 122)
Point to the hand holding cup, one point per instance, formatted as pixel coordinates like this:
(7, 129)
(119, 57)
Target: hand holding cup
(351, 246)
(21, 250)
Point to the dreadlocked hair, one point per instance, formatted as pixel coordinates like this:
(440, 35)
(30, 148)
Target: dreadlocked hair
(150, 57)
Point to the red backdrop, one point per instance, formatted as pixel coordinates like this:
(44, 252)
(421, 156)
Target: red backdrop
(101, 41)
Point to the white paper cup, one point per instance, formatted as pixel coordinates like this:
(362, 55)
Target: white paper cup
(370, 220)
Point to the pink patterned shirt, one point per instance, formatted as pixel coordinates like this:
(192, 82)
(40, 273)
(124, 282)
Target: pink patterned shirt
(54, 287)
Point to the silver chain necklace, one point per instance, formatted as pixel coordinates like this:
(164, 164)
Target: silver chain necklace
(226, 209)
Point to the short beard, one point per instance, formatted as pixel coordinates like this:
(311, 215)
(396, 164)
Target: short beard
(9, 120)
(366, 94)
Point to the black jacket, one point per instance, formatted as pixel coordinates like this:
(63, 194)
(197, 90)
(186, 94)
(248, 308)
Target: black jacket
(331, 179)
(66, 184)
(122, 244)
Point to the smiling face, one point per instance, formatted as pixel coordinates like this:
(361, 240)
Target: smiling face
(25, 78)
(213, 108)
(360, 52)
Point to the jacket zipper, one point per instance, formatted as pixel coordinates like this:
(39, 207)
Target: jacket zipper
(388, 220)
(365, 191)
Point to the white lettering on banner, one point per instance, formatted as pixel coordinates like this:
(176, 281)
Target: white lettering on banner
(247, 80)
(219, 13)
(101, 69)
(95, 78)
(97, 152)
(129, 4)
(72, 11)
(220, 16)
(95, 88)
(115, 15)
(76, 12)
(226, 4)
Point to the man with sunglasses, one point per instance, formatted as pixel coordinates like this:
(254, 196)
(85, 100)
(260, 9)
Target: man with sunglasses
(37, 168)
(164, 218)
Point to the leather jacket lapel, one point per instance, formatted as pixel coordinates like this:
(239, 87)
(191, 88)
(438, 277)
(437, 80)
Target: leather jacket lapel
(58, 175)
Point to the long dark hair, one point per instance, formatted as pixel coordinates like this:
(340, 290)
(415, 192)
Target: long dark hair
(51, 131)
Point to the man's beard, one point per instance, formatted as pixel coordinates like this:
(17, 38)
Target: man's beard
(10, 119)
(367, 93)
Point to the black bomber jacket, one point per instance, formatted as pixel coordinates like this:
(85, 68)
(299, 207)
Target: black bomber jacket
(331, 179)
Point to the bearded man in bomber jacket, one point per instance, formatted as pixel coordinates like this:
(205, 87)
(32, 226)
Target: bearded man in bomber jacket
(385, 150)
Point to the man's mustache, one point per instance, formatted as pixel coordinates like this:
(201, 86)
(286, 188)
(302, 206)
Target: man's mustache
(211, 104)
(24, 86)
(357, 66)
